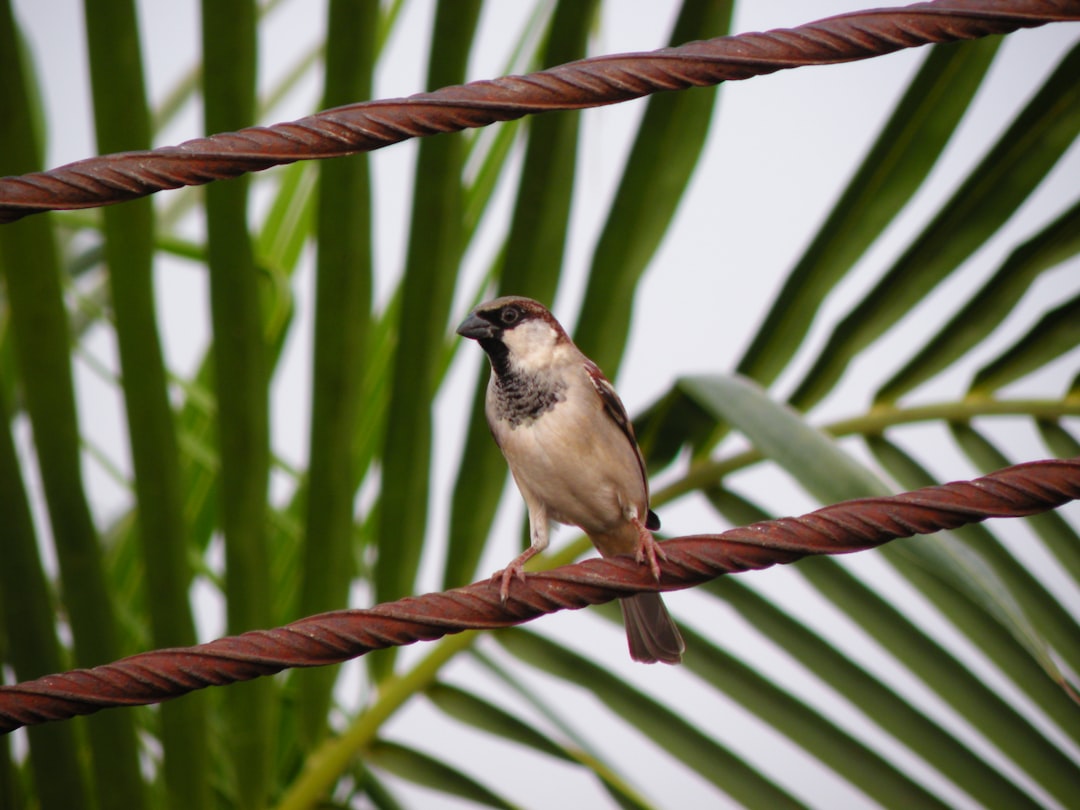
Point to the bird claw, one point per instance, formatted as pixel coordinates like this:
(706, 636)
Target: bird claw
(649, 551)
(514, 569)
(506, 576)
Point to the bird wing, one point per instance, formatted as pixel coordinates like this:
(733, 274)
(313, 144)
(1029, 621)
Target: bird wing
(617, 412)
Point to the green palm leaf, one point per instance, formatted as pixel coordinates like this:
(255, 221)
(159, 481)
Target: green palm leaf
(952, 676)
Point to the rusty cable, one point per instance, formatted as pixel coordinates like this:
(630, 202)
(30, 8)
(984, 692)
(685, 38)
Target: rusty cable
(592, 82)
(330, 638)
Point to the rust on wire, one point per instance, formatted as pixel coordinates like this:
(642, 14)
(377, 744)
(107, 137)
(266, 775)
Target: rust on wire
(330, 638)
(590, 82)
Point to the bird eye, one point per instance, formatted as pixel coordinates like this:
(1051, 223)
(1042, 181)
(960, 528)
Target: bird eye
(510, 315)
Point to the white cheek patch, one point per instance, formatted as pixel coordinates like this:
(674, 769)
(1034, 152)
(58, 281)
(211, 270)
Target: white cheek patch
(531, 345)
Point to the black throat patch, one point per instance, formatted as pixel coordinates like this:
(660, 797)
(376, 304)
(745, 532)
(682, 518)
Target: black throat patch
(521, 399)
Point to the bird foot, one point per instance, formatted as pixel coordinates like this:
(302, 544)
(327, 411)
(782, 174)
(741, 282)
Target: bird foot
(649, 551)
(505, 576)
(514, 569)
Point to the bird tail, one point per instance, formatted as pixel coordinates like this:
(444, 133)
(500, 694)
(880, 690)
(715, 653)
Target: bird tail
(650, 631)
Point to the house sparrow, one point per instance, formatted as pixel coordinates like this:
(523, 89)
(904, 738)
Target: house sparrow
(571, 449)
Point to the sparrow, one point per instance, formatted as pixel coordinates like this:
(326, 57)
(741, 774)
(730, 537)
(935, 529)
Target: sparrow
(571, 449)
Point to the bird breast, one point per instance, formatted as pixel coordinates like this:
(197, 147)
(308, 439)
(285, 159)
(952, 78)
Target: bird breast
(570, 456)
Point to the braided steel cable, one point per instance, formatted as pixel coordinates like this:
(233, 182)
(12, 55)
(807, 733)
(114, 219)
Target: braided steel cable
(586, 83)
(330, 638)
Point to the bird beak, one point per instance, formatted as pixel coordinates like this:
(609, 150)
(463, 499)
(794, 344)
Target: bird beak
(476, 328)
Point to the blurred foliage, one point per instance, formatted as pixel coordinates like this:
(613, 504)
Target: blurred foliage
(199, 521)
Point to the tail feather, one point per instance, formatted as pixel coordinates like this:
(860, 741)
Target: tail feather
(650, 631)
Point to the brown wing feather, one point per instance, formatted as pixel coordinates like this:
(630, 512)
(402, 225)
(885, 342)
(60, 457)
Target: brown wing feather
(617, 411)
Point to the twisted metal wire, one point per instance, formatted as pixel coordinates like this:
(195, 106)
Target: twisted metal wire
(586, 83)
(330, 638)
